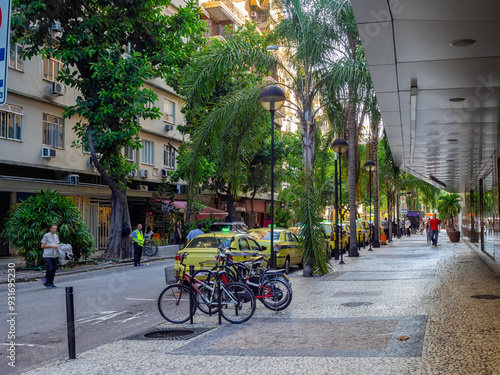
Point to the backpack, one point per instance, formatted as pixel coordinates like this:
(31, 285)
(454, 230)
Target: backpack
(126, 229)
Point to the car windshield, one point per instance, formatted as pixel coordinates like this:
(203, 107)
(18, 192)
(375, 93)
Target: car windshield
(327, 228)
(267, 237)
(258, 234)
(203, 243)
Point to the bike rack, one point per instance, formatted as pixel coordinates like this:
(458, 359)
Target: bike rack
(191, 300)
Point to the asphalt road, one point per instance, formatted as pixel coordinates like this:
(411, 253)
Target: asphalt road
(109, 304)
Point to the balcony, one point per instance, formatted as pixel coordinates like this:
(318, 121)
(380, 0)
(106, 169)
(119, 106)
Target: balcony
(217, 32)
(225, 10)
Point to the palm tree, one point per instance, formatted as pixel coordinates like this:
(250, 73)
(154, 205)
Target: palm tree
(449, 206)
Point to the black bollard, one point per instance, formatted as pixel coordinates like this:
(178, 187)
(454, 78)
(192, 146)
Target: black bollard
(191, 293)
(70, 318)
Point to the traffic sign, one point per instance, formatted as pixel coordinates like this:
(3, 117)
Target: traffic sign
(404, 206)
(404, 212)
(402, 199)
(5, 7)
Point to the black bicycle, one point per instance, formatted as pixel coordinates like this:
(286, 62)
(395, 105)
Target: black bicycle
(150, 248)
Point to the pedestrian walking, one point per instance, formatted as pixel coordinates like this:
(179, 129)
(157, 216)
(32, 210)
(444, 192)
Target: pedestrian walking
(195, 232)
(427, 230)
(400, 227)
(178, 232)
(50, 246)
(137, 238)
(408, 226)
(421, 226)
(434, 227)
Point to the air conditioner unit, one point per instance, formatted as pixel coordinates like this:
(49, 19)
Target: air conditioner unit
(74, 179)
(58, 88)
(132, 173)
(48, 152)
(90, 165)
(142, 187)
(169, 128)
(144, 173)
(253, 14)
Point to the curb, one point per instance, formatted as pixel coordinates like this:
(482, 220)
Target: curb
(81, 270)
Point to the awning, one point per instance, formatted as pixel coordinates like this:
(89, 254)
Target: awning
(205, 213)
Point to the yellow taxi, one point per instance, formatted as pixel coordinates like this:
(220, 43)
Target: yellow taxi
(362, 232)
(331, 234)
(203, 249)
(286, 246)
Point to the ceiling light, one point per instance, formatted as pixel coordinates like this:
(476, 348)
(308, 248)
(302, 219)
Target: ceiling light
(462, 43)
(452, 140)
(456, 100)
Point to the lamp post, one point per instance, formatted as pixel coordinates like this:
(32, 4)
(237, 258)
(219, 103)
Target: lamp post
(370, 166)
(339, 145)
(272, 98)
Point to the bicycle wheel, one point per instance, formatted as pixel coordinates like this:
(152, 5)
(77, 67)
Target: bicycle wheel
(278, 294)
(173, 304)
(150, 248)
(208, 303)
(237, 302)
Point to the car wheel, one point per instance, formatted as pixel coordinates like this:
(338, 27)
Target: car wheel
(286, 266)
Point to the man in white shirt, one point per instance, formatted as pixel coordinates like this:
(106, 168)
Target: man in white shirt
(195, 232)
(50, 246)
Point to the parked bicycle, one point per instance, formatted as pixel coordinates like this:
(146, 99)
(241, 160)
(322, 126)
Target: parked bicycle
(150, 248)
(236, 300)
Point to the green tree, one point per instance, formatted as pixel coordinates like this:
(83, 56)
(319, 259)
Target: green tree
(29, 221)
(109, 49)
(163, 206)
(449, 206)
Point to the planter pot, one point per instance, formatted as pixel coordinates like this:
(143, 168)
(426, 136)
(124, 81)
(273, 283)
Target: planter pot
(453, 235)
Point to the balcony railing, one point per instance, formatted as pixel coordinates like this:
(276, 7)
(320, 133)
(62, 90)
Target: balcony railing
(234, 9)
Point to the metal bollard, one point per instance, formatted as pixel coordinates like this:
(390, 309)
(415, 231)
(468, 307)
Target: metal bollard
(219, 302)
(70, 319)
(191, 295)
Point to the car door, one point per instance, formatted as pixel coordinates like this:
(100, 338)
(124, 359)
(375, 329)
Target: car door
(292, 248)
(254, 246)
(243, 246)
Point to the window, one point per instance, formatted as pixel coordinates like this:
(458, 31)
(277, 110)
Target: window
(244, 244)
(148, 152)
(169, 156)
(15, 60)
(51, 69)
(169, 111)
(53, 131)
(129, 153)
(11, 122)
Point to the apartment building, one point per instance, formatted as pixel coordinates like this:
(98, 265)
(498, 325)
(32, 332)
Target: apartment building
(36, 146)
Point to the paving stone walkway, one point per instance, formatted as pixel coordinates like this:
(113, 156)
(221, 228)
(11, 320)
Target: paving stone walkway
(350, 321)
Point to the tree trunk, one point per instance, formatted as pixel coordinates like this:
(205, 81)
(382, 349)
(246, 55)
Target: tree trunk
(119, 245)
(351, 123)
(376, 197)
(231, 209)
(308, 145)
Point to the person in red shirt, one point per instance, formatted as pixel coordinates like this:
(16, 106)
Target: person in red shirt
(434, 229)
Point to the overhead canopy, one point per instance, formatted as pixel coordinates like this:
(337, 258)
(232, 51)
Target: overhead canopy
(420, 81)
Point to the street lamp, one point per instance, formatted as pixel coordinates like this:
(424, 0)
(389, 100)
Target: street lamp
(339, 145)
(370, 166)
(272, 99)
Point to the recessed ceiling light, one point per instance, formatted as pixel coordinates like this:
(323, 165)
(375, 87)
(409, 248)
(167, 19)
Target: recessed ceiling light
(450, 160)
(462, 43)
(452, 140)
(456, 100)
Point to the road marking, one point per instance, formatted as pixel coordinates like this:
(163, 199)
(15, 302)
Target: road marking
(136, 316)
(142, 299)
(108, 315)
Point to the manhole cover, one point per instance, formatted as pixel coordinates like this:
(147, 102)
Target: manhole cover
(175, 334)
(357, 304)
(486, 296)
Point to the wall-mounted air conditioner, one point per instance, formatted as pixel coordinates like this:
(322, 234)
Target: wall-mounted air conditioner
(74, 179)
(56, 26)
(142, 187)
(57, 88)
(169, 128)
(132, 173)
(144, 173)
(48, 152)
(165, 173)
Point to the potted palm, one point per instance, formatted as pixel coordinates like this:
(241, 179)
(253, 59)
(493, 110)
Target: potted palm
(449, 207)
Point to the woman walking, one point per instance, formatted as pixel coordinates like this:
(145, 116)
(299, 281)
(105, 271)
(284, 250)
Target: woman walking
(50, 246)
(177, 232)
(427, 230)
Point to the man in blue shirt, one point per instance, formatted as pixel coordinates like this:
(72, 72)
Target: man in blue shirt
(195, 232)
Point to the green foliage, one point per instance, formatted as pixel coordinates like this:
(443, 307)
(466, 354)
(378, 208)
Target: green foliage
(309, 214)
(109, 50)
(163, 207)
(29, 221)
(283, 217)
(449, 206)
